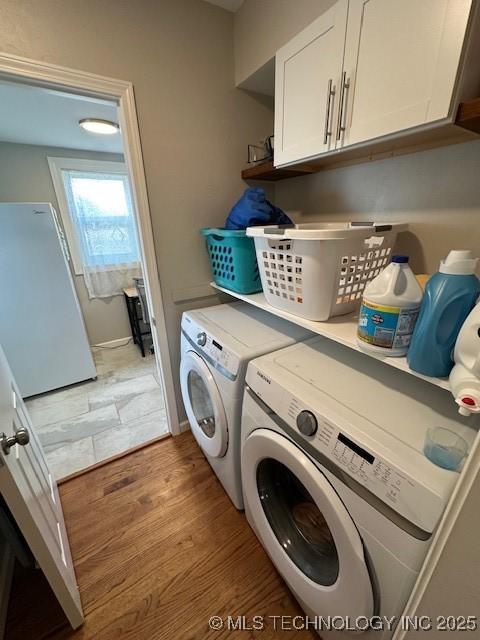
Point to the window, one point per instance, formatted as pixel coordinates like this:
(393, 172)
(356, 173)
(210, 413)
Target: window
(99, 204)
(97, 213)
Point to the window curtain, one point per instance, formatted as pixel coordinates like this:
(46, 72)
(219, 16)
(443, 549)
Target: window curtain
(105, 282)
(101, 208)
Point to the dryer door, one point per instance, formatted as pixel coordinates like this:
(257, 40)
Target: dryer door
(305, 528)
(203, 404)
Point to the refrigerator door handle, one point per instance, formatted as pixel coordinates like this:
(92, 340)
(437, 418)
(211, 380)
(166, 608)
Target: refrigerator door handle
(61, 235)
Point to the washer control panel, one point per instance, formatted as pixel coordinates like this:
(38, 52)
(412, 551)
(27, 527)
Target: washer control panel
(370, 470)
(395, 487)
(202, 339)
(307, 423)
(206, 344)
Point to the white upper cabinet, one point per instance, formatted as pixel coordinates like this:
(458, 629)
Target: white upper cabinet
(367, 69)
(307, 75)
(401, 62)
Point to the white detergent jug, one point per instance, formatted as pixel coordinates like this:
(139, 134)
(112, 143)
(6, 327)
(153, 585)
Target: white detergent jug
(465, 375)
(390, 307)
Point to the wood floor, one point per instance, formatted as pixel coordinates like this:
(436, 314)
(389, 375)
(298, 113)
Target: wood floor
(158, 549)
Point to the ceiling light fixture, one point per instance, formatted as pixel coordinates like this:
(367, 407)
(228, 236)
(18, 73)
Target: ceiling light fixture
(96, 125)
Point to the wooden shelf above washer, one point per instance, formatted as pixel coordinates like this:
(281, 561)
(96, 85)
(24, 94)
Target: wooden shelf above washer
(467, 123)
(266, 171)
(468, 115)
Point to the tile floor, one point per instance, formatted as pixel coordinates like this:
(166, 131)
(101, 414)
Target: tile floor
(89, 422)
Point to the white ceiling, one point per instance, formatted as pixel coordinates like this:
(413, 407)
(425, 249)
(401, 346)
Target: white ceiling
(229, 5)
(33, 115)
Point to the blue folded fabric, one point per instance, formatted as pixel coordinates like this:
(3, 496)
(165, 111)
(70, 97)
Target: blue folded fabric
(253, 209)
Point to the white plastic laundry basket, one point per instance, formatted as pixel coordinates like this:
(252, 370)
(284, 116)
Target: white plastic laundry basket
(317, 271)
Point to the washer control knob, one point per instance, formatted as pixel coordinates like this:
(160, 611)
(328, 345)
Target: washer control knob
(307, 423)
(202, 339)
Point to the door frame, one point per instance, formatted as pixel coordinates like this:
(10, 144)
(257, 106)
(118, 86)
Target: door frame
(41, 74)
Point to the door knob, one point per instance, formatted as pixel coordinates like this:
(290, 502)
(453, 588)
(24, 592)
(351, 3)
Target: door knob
(21, 437)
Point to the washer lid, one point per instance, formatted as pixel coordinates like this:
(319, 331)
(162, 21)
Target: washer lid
(247, 330)
(372, 421)
(394, 401)
(305, 528)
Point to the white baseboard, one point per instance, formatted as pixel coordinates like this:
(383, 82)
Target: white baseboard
(184, 425)
(113, 343)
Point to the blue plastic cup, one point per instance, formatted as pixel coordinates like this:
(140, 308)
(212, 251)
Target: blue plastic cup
(445, 448)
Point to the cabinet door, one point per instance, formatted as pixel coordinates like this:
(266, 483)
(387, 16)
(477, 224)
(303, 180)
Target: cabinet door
(307, 74)
(401, 62)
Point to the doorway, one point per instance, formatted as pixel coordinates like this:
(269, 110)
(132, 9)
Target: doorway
(96, 188)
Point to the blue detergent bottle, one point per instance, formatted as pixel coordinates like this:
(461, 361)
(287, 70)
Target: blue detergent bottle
(449, 297)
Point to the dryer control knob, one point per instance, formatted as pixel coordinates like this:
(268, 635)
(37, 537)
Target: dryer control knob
(202, 339)
(307, 423)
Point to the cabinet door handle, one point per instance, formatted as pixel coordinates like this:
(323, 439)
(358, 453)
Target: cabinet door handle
(341, 124)
(330, 94)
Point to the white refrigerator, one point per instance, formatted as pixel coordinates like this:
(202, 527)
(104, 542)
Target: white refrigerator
(41, 325)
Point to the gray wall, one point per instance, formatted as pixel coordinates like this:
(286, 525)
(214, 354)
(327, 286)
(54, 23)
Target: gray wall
(25, 177)
(262, 27)
(194, 124)
(437, 192)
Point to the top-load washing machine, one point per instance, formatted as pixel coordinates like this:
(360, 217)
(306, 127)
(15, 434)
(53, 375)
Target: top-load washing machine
(335, 483)
(217, 344)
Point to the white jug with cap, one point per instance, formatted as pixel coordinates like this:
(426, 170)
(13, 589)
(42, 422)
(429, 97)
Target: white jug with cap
(465, 375)
(389, 310)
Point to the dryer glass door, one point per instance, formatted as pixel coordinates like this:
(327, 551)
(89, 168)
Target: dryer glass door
(305, 527)
(203, 404)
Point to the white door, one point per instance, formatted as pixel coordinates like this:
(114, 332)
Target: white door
(307, 74)
(401, 61)
(305, 528)
(31, 494)
(204, 405)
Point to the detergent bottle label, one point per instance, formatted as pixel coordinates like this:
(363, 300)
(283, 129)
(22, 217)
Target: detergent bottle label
(385, 326)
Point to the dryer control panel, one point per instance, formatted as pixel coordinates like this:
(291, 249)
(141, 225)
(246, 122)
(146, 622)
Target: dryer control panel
(206, 345)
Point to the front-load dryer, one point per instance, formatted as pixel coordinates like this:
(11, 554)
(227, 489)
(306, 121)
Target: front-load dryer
(217, 345)
(335, 483)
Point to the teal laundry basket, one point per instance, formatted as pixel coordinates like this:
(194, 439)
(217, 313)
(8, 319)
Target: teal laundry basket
(233, 260)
